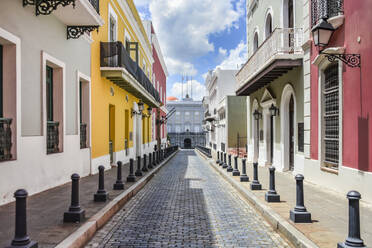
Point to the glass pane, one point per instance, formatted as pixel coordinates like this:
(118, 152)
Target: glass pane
(49, 93)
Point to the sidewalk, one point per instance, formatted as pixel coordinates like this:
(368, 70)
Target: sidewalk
(45, 210)
(329, 210)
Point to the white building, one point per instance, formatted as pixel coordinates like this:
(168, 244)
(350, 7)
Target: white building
(45, 81)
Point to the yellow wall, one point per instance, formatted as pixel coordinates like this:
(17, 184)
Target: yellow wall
(102, 97)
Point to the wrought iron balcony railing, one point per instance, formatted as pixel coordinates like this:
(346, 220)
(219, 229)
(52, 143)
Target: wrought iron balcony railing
(5, 139)
(113, 54)
(52, 137)
(282, 43)
(83, 136)
(325, 9)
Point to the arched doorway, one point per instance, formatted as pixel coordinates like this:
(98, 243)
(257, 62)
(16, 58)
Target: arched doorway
(187, 143)
(288, 127)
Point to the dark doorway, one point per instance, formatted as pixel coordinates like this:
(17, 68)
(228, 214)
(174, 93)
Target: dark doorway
(291, 134)
(187, 143)
(290, 21)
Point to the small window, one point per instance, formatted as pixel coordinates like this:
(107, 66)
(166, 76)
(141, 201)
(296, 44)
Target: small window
(196, 113)
(178, 113)
(255, 42)
(268, 26)
(112, 29)
(187, 113)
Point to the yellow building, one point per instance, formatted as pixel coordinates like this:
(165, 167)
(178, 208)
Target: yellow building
(121, 72)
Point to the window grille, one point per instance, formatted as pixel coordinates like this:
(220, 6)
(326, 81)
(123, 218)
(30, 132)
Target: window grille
(325, 8)
(331, 116)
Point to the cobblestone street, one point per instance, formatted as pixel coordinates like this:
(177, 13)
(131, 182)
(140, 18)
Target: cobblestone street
(187, 205)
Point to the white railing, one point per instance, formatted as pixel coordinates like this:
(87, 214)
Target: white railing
(282, 43)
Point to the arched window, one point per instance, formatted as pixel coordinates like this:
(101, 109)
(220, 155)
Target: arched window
(255, 42)
(330, 115)
(268, 26)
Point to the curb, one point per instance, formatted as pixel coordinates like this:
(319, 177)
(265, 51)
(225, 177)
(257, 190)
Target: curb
(84, 233)
(297, 238)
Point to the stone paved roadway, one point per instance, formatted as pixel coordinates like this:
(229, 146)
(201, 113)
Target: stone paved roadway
(187, 205)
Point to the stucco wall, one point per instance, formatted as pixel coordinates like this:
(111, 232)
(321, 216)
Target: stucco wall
(48, 34)
(237, 123)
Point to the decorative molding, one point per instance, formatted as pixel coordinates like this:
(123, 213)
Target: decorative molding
(74, 32)
(352, 60)
(46, 7)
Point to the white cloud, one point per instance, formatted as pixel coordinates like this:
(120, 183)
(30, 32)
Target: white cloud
(178, 67)
(198, 90)
(183, 26)
(142, 2)
(235, 57)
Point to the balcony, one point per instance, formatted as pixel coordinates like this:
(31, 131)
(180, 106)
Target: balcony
(5, 139)
(330, 9)
(80, 16)
(278, 54)
(52, 137)
(118, 67)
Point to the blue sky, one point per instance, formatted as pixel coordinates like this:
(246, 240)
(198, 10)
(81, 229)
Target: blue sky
(196, 36)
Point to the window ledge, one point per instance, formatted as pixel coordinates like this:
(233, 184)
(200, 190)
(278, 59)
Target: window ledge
(329, 170)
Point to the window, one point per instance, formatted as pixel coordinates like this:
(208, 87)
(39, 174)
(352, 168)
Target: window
(255, 42)
(178, 113)
(196, 113)
(196, 129)
(330, 95)
(268, 26)
(49, 94)
(187, 113)
(84, 110)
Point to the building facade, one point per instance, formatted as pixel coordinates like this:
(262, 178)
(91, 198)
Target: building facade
(43, 137)
(339, 99)
(273, 78)
(185, 125)
(123, 95)
(221, 110)
(159, 78)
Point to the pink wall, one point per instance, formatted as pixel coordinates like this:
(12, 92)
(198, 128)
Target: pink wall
(357, 87)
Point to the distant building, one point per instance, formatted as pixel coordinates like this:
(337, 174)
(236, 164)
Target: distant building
(185, 125)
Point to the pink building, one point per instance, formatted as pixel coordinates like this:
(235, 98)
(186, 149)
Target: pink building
(160, 74)
(341, 97)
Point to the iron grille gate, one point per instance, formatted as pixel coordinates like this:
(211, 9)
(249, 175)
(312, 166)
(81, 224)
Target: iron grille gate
(331, 116)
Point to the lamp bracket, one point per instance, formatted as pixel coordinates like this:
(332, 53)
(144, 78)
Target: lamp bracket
(351, 60)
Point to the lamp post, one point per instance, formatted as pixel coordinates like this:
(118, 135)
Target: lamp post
(322, 33)
(257, 116)
(273, 111)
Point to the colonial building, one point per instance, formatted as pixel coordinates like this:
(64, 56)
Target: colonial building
(339, 96)
(185, 125)
(159, 78)
(273, 78)
(45, 93)
(123, 95)
(221, 110)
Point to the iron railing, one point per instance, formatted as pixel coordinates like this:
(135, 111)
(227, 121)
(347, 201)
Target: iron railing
(111, 151)
(126, 146)
(95, 4)
(5, 139)
(282, 41)
(83, 135)
(325, 9)
(113, 54)
(52, 137)
(206, 151)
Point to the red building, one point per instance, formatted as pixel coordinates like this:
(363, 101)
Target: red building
(159, 77)
(341, 96)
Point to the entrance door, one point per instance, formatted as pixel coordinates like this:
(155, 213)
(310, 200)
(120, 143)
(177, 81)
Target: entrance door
(187, 143)
(291, 134)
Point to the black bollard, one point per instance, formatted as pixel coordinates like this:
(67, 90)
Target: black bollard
(230, 168)
(154, 159)
(138, 172)
(218, 158)
(21, 239)
(119, 185)
(244, 177)
(131, 177)
(236, 171)
(144, 168)
(255, 185)
(224, 165)
(272, 195)
(101, 195)
(157, 157)
(74, 213)
(150, 162)
(353, 239)
(299, 214)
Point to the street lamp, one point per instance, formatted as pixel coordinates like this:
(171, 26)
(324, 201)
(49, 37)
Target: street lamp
(273, 111)
(322, 33)
(149, 111)
(141, 106)
(257, 116)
